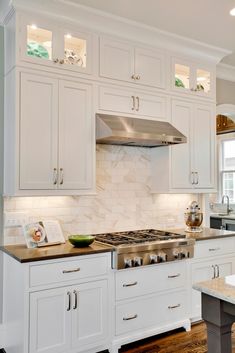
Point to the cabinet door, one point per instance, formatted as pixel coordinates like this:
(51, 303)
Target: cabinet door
(116, 60)
(204, 145)
(205, 81)
(76, 138)
(182, 76)
(38, 41)
(49, 321)
(181, 154)
(38, 132)
(89, 315)
(150, 105)
(116, 100)
(150, 67)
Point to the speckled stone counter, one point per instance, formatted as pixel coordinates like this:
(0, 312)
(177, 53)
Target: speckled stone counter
(218, 289)
(207, 233)
(218, 311)
(22, 254)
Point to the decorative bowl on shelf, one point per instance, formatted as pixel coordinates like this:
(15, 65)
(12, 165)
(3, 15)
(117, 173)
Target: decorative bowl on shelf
(81, 241)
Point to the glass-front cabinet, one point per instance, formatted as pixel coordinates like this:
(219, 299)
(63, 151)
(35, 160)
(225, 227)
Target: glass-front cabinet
(47, 44)
(192, 78)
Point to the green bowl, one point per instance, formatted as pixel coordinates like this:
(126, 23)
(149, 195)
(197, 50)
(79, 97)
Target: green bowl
(81, 241)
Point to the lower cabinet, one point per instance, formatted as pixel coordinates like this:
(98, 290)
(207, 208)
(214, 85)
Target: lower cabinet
(69, 314)
(205, 271)
(68, 317)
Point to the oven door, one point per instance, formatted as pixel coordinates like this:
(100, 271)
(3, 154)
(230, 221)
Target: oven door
(228, 224)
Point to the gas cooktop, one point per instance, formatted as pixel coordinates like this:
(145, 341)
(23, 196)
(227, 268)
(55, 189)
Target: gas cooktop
(137, 237)
(145, 247)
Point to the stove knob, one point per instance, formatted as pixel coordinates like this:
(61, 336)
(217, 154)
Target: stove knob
(154, 259)
(128, 263)
(180, 255)
(162, 257)
(138, 261)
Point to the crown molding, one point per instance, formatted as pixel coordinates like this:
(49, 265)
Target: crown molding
(225, 72)
(100, 21)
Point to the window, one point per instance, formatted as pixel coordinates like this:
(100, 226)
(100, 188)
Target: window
(227, 171)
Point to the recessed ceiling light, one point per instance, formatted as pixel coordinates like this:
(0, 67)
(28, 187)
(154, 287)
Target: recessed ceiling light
(68, 36)
(33, 26)
(232, 12)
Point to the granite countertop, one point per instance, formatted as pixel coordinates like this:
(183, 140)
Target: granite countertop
(217, 288)
(22, 254)
(206, 234)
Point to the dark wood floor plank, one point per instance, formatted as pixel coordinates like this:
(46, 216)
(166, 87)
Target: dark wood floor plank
(177, 341)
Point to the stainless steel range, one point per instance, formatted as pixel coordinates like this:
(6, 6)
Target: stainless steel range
(146, 247)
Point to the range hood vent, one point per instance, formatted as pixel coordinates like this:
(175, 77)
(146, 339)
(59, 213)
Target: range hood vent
(117, 130)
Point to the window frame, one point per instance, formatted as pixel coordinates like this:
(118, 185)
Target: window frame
(221, 171)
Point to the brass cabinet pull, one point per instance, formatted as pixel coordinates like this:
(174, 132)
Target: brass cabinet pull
(55, 176)
(56, 60)
(130, 284)
(69, 304)
(61, 176)
(197, 179)
(137, 77)
(75, 300)
(130, 317)
(174, 276)
(70, 271)
(133, 77)
(174, 306)
(138, 104)
(61, 61)
(214, 249)
(133, 102)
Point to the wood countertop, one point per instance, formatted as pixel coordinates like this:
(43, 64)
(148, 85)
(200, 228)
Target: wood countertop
(206, 234)
(22, 254)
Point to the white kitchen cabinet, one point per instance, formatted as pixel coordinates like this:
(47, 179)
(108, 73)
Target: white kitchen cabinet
(190, 166)
(70, 315)
(138, 103)
(123, 61)
(192, 78)
(55, 137)
(53, 44)
(49, 321)
(205, 271)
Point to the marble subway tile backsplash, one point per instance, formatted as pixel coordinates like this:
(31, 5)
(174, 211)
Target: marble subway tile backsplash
(123, 200)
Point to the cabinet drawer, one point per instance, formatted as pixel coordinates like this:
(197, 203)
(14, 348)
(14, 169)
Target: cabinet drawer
(142, 281)
(67, 270)
(214, 247)
(152, 311)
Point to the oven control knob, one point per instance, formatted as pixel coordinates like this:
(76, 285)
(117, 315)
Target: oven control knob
(128, 263)
(138, 261)
(162, 257)
(154, 259)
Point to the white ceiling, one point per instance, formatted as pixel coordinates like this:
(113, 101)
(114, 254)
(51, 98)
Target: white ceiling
(205, 20)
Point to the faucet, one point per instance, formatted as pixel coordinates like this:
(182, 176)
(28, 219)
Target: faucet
(227, 198)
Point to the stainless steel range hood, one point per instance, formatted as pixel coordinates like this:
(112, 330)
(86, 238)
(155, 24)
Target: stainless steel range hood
(117, 130)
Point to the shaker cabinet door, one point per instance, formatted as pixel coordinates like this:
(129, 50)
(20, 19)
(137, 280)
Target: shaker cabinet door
(38, 132)
(76, 142)
(89, 314)
(49, 321)
(181, 154)
(116, 60)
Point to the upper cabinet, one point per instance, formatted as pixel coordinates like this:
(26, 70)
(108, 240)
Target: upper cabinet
(124, 62)
(45, 43)
(50, 144)
(193, 78)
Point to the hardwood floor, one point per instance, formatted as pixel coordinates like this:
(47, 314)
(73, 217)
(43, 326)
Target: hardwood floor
(177, 341)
